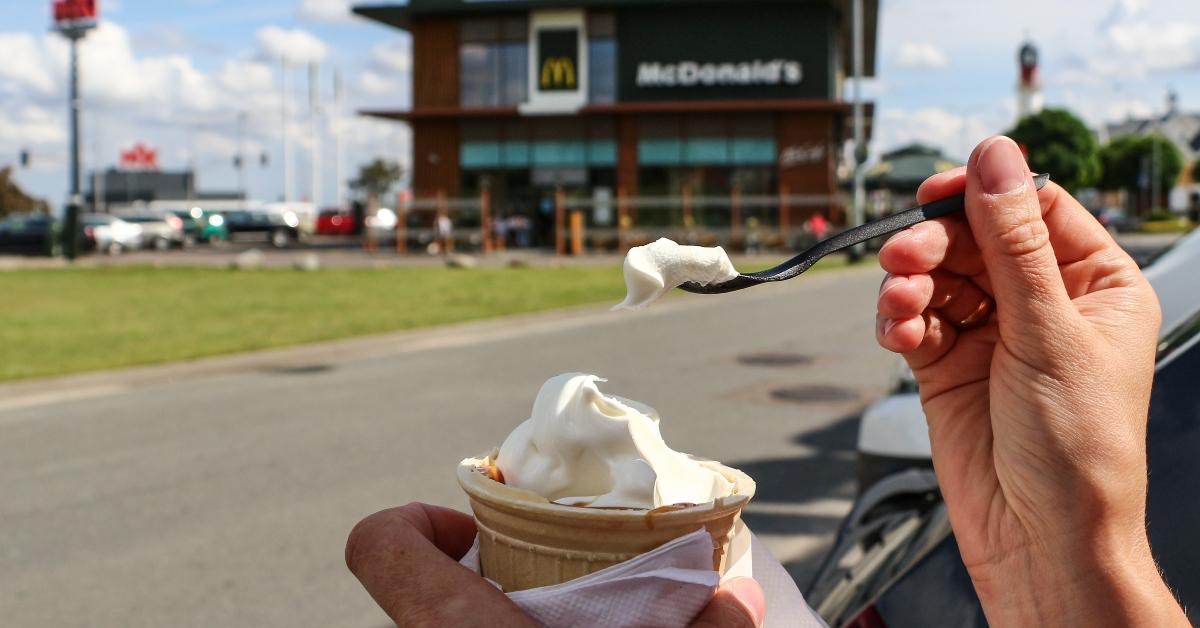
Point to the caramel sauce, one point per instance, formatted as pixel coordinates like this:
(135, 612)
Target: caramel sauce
(493, 473)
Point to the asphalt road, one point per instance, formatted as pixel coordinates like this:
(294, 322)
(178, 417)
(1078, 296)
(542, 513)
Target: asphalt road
(222, 496)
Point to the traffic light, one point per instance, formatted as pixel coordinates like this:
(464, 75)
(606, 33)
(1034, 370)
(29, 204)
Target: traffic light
(25, 158)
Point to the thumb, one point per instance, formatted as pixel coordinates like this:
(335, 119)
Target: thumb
(739, 603)
(1006, 220)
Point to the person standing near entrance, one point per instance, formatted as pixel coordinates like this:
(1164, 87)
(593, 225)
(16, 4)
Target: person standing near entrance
(818, 226)
(443, 232)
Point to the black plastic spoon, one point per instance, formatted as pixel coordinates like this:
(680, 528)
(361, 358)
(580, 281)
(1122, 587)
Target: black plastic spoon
(843, 240)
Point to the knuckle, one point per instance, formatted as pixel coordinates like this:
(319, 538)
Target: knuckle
(361, 536)
(1023, 237)
(367, 533)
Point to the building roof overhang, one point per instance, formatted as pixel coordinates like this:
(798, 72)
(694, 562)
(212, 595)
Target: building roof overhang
(842, 109)
(400, 15)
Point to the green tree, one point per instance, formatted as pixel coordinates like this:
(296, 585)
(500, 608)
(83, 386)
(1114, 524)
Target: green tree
(377, 178)
(1129, 161)
(1059, 143)
(13, 198)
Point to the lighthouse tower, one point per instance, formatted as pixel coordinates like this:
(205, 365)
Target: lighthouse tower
(1029, 89)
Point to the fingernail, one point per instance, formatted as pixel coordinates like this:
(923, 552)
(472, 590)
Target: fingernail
(891, 282)
(750, 594)
(888, 325)
(1001, 166)
(896, 237)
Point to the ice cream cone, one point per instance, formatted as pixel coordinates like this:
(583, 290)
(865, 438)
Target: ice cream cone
(525, 541)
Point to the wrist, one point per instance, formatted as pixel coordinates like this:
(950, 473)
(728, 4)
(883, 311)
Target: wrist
(1107, 583)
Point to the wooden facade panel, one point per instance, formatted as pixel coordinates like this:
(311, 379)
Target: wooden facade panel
(435, 157)
(435, 62)
(627, 155)
(807, 159)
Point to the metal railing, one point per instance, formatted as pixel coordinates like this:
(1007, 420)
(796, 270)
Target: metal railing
(740, 222)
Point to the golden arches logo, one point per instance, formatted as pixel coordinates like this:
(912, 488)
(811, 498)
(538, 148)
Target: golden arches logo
(558, 72)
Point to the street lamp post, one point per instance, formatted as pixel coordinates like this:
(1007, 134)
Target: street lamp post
(860, 147)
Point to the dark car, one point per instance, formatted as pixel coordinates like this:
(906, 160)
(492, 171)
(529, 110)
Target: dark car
(895, 562)
(280, 229)
(28, 234)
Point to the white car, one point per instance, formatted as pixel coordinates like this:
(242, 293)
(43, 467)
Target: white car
(893, 435)
(112, 235)
(161, 231)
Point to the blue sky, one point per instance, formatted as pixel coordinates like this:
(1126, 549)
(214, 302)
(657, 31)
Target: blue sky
(176, 75)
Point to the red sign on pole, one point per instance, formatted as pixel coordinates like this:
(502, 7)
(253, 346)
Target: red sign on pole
(74, 11)
(139, 158)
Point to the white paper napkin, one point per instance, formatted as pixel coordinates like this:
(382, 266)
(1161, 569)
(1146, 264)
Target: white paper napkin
(664, 588)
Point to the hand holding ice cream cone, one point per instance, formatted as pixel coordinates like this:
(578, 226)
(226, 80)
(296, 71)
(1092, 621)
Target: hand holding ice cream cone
(586, 483)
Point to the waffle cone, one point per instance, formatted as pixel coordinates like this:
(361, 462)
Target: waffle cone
(525, 541)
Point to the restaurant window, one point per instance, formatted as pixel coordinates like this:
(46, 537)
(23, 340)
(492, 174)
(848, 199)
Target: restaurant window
(555, 143)
(493, 62)
(602, 58)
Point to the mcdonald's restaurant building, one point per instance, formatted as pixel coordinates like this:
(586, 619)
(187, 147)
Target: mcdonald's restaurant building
(641, 99)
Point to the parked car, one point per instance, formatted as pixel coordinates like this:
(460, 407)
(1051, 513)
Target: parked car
(28, 234)
(335, 222)
(161, 231)
(280, 229)
(895, 562)
(111, 234)
(200, 226)
(1115, 220)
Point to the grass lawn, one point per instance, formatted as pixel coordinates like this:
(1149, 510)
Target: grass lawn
(69, 320)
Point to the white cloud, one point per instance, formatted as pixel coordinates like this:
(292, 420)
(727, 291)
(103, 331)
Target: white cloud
(30, 126)
(1097, 112)
(24, 66)
(920, 55)
(394, 56)
(388, 71)
(1155, 46)
(955, 134)
(295, 45)
(377, 83)
(326, 11)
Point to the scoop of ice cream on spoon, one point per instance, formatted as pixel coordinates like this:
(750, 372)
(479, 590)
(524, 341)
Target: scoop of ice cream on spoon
(653, 269)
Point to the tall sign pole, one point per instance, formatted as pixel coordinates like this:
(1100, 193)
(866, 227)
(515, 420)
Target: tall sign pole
(73, 19)
(76, 177)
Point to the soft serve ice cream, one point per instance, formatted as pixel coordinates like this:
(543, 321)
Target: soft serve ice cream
(581, 447)
(653, 269)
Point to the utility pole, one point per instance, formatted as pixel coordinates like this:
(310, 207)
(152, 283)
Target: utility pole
(97, 159)
(339, 148)
(860, 148)
(240, 162)
(287, 136)
(314, 122)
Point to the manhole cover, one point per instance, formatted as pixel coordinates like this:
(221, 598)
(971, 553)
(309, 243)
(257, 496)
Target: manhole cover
(774, 359)
(300, 369)
(814, 393)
